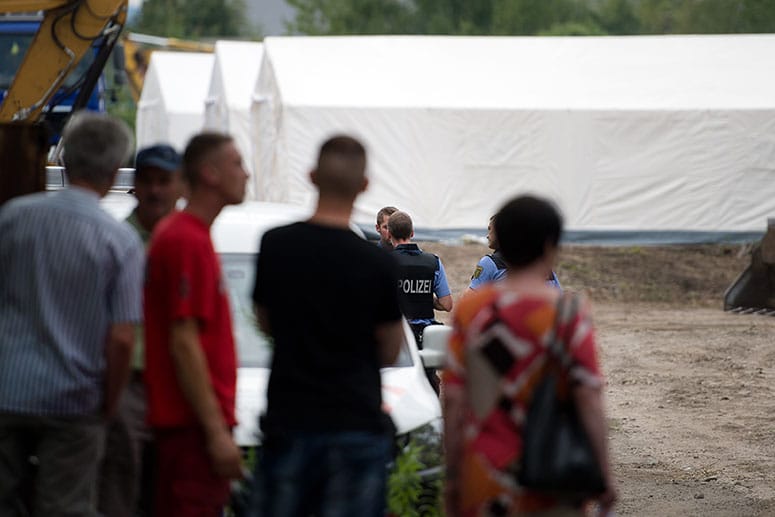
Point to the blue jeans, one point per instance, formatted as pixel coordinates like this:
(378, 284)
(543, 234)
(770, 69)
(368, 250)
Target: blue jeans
(337, 474)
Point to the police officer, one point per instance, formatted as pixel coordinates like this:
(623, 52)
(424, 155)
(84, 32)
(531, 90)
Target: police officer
(422, 285)
(382, 219)
(492, 268)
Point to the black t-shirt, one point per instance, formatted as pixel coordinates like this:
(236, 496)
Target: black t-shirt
(325, 291)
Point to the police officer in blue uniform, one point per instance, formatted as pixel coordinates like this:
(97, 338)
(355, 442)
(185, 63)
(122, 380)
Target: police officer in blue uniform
(422, 285)
(492, 268)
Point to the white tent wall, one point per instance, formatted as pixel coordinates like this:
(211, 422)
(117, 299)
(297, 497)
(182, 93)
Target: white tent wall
(151, 119)
(228, 101)
(171, 106)
(636, 136)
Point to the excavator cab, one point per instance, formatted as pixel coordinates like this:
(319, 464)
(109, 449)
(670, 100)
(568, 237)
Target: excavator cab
(753, 292)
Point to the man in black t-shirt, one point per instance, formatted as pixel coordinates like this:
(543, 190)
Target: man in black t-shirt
(326, 438)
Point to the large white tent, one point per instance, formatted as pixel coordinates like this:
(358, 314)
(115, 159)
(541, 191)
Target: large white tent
(664, 137)
(171, 106)
(227, 106)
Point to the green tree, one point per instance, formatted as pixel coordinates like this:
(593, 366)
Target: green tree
(660, 16)
(528, 17)
(728, 17)
(481, 17)
(573, 29)
(455, 16)
(338, 17)
(617, 17)
(193, 18)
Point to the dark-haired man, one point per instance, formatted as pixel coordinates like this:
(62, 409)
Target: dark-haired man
(422, 284)
(326, 437)
(382, 229)
(191, 364)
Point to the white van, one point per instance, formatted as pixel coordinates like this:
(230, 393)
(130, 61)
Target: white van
(236, 233)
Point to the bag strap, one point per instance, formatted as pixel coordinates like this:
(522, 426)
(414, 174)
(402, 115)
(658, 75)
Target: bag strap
(566, 309)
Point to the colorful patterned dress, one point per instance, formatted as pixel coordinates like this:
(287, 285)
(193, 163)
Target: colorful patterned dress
(497, 355)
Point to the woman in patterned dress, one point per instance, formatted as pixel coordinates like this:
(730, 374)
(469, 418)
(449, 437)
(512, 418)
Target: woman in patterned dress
(497, 357)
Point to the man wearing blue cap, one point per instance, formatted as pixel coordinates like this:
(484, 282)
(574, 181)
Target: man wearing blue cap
(158, 186)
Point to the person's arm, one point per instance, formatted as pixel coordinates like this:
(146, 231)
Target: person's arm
(588, 397)
(442, 300)
(589, 402)
(443, 304)
(389, 336)
(118, 362)
(194, 380)
(125, 305)
(454, 402)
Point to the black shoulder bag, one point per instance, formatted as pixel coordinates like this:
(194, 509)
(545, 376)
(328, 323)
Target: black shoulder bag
(558, 458)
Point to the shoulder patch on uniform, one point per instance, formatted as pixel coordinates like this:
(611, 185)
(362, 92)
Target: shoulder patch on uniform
(477, 272)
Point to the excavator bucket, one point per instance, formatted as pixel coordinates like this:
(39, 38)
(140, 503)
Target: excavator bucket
(753, 292)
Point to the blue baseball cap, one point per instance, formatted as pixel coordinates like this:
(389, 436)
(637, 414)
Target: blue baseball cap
(161, 156)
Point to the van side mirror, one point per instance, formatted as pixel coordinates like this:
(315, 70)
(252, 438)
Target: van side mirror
(435, 339)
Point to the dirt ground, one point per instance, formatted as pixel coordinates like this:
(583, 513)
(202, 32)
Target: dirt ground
(690, 389)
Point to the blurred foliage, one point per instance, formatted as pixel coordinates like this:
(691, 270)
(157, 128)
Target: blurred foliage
(193, 19)
(531, 17)
(407, 495)
(120, 104)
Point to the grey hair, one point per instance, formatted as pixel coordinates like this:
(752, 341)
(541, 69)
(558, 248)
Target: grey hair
(95, 146)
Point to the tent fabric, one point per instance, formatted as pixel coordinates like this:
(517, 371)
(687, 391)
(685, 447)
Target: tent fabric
(628, 135)
(227, 106)
(171, 106)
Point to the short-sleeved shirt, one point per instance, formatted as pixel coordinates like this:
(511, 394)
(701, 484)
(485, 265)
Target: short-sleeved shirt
(325, 292)
(497, 354)
(440, 285)
(68, 271)
(486, 271)
(183, 280)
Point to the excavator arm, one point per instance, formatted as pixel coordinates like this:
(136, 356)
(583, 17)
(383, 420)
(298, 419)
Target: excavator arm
(68, 29)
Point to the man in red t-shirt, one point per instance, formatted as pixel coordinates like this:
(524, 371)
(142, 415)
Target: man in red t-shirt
(191, 365)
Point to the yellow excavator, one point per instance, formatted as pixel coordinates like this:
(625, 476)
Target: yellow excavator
(137, 55)
(67, 31)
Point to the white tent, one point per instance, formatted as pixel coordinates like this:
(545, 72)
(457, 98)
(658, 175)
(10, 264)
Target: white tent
(631, 136)
(171, 106)
(227, 106)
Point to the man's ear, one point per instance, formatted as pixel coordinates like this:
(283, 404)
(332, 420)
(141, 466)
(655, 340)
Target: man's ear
(208, 174)
(412, 236)
(365, 185)
(313, 177)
